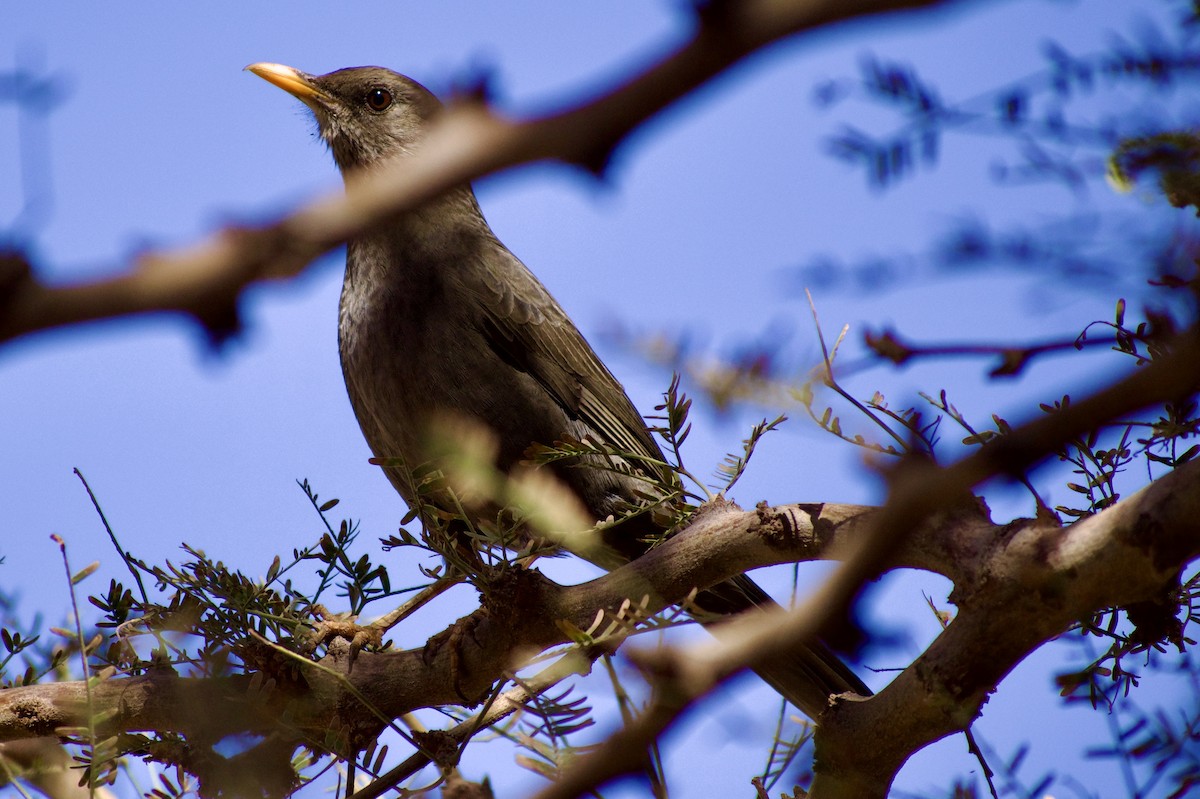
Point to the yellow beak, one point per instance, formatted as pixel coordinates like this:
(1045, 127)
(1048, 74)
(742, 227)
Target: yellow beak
(296, 83)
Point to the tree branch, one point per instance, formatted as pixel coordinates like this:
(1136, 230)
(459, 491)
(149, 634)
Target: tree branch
(1046, 576)
(468, 142)
(1035, 582)
(522, 613)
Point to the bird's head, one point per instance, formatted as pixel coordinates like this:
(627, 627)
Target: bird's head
(365, 114)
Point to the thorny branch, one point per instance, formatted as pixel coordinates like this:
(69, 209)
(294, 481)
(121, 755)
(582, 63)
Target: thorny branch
(469, 142)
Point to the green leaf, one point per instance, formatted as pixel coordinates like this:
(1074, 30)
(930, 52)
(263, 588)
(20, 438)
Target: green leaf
(85, 572)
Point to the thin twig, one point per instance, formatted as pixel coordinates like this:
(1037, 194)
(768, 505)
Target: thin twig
(112, 536)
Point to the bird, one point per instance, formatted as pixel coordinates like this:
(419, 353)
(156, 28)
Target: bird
(437, 318)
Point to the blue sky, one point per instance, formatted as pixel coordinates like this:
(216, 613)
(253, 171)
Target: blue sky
(161, 138)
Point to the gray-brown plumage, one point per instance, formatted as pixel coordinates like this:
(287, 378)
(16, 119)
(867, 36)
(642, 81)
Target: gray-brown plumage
(438, 319)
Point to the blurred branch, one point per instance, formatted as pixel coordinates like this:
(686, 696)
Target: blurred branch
(1011, 360)
(43, 764)
(1090, 251)
(468, 142)
(35, 95)
(1031, 110)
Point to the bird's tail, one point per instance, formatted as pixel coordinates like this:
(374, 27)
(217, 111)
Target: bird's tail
(805, 675)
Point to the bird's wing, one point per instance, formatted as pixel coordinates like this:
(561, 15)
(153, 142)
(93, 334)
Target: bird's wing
(530, 330)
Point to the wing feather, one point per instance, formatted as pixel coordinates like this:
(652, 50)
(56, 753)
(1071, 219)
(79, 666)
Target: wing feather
(530, 330)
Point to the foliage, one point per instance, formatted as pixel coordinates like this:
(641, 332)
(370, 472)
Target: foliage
(1079, 119)
(200, 618)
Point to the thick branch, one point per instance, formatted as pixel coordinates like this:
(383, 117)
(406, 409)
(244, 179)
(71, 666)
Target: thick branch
(1035, 584)
(520, 617)
(1045, 577)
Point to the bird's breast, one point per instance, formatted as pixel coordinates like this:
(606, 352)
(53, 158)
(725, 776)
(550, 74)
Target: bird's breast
(414, 353)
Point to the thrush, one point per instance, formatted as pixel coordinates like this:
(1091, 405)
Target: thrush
(438, 319)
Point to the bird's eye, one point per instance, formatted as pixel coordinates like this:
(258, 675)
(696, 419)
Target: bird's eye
(379, 99)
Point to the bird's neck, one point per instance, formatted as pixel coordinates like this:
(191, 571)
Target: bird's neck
(418, 245)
